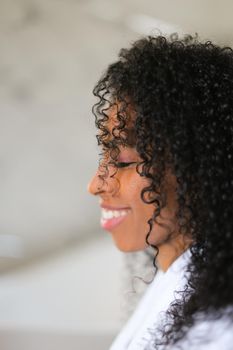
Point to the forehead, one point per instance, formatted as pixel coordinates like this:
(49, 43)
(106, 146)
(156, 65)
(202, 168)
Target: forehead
(118, 111)
(121, 123)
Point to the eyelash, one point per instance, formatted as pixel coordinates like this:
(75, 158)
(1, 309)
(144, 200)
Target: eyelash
(124, 165)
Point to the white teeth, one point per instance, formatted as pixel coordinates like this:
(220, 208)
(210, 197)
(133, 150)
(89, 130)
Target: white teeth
(109, 214)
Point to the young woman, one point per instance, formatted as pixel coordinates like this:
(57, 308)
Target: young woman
(165, 179)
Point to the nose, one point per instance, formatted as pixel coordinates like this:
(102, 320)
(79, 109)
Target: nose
(100, 184)
(93, 186)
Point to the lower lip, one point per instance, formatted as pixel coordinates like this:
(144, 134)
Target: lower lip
(109, 224)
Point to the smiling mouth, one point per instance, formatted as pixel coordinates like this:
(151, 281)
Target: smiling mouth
(111, 218)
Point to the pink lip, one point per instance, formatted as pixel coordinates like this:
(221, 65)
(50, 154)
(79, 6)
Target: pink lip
(110, 224)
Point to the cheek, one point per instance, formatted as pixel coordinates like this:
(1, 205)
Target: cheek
(131, 190)
(141, 212)
(132, 186)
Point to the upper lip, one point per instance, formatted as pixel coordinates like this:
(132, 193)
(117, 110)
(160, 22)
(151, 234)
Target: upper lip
(105, 206)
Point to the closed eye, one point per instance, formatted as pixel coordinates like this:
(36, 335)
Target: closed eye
(124, 165)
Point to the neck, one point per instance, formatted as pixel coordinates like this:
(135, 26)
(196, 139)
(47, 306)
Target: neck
(171, 250)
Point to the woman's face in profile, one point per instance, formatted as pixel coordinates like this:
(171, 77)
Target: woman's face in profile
(123, 213)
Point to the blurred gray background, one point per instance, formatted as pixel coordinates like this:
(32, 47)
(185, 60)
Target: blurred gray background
(61, 277)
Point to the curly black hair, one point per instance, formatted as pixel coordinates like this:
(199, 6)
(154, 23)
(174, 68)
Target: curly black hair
(181, 90)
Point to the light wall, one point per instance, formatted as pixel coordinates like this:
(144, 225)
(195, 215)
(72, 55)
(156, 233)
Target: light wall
(61, 282)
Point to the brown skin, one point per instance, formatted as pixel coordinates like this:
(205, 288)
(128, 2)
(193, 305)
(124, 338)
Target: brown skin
(124, 191)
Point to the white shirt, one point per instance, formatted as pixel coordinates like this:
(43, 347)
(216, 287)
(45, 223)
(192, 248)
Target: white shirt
(149, 313)
(157, 298)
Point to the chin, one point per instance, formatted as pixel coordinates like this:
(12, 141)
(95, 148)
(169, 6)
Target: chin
(127, 248)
